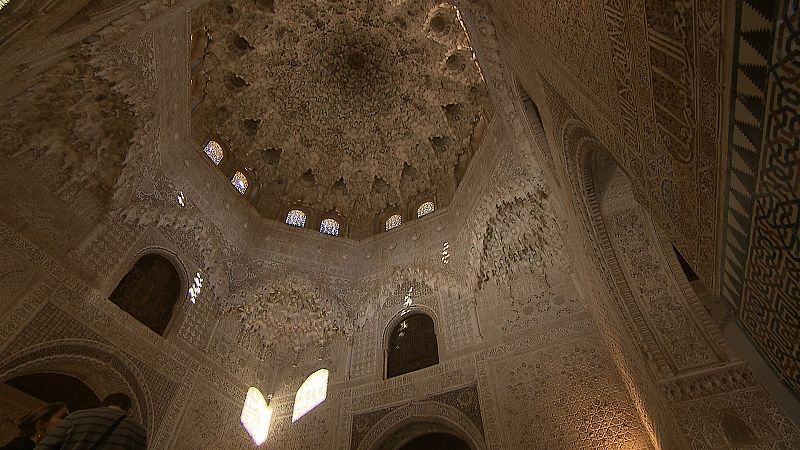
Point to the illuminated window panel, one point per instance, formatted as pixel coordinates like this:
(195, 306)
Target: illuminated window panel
(194, 290)
(213, 151)
(239, 181)
(393, 222)
(329, 226)
(312, 392)
(296, 218)
(425, 208)
(256, 415)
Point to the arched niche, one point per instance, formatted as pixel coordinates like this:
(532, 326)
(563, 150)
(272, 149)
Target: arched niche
(656, 328)
(535, 126)
(410, 342)
(413, 420)
(438, 440)
(51, 387)
(150, 290)
(677, 331)
(102, 368)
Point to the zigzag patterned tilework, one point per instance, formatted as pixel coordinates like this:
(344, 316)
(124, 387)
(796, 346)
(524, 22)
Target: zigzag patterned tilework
(760, 269)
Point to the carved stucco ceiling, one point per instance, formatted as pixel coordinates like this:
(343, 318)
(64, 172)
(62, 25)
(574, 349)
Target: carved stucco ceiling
(355, 107)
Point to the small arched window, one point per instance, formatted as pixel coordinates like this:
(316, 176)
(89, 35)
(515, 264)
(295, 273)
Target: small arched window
(329, 226)
(149, 291)
(239, 181)
(393, 221)
(214, 152)
(412, 346)
(296, 218)
(425, 208)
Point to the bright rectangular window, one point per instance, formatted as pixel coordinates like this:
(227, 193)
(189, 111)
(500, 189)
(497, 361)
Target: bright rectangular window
(256, 415)
(312, 392)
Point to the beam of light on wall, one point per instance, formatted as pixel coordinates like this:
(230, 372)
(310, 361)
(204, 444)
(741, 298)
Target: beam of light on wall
(471, 48)
(407, 300)
(256, 415)
(197, 285)
(312, 392)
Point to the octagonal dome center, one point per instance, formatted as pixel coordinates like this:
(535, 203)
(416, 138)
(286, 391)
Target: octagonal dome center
(351, 92)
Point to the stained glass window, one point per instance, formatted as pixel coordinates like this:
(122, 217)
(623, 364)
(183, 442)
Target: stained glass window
(393, 222)
(256, 415)
(214, 152)
(425, 208)
(329, 226)
(239, 181)
(296, 218)
(312, 392)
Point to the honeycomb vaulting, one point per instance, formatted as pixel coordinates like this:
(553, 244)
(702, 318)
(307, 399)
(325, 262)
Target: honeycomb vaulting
(355, 107)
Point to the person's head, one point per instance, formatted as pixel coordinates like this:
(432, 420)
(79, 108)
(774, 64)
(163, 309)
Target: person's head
(36, 424)
(119, 401)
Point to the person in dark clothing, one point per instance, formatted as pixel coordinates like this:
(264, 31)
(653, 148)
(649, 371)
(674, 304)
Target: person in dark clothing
(106, 427)
(35, 425)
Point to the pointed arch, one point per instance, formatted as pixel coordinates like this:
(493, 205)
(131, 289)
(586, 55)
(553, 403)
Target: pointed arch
(407, 420)
(103, 368)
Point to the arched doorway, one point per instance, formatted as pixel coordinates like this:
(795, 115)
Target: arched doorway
(424, 432)
(149, 292)
(51, 387)
(436, 441)
(101, 368)
(24, 393)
